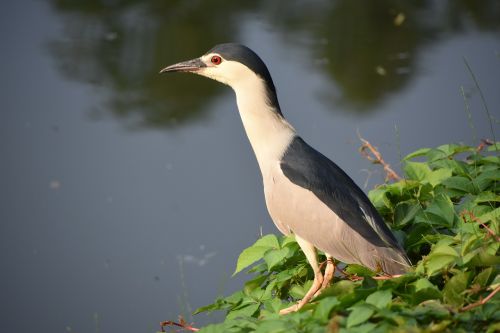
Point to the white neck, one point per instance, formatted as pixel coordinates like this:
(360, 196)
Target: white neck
(269, 133)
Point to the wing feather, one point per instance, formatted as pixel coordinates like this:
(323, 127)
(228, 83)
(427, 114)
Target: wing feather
(306, 167)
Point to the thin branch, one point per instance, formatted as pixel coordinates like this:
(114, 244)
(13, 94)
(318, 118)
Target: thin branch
(480, 302)
(387, 277)
(468, 113)
(365, 151)
(476, 219)
(484, 143)
(483, 99)
(182, 324)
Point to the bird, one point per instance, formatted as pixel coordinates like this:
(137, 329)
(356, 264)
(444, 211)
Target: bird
(306, 193)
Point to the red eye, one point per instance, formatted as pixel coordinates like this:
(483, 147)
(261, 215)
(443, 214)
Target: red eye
(216, 60)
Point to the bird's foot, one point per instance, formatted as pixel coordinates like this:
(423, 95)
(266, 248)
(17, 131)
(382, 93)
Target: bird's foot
(317, 283)
(290, 309)
(328, 276)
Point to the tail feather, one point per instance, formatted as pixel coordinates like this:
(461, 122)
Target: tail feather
(392, 261)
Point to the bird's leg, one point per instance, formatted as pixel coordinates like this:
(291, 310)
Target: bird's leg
(328, 276)
(310, 252)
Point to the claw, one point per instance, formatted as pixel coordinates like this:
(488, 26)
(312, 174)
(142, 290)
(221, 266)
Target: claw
(320, 282)
(327, 278)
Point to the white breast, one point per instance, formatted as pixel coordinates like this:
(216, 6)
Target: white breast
(269, 133)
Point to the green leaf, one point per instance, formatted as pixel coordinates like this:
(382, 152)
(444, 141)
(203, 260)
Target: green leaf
(359, 314)
(461, 184)
(283, 276)
(422, 284)
(256, 295)
(417, 170)
(244, 311)
(322, 311)
(496, 282)
(441, 256)
(494, 147)
(235, 298)
(213, 328)
(405, 212)
(218, 305)
(469, 242)
(425, 290)
(366, 328)
(273, 326)
(439, 326)
(437, 176)
(378, 197)
(273, 305)
(299, 291)
(288, 240)
(268, 292)
(269, 241)
(487, 197)
(381, 299)
(359, 270)
(494, 327)
(340, 288)
(417, 153)
(253, 284)
(441, 211)
(453, 292)
(483, 181)
(483, 277)
(249, 256)
(458, 168)
(275, 257)
(493, 215)
(432, 309)
(449, 150)
(487, 255)
(256, 252)
(491, 159)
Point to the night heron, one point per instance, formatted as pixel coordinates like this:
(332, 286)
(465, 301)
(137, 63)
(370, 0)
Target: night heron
(306, 193)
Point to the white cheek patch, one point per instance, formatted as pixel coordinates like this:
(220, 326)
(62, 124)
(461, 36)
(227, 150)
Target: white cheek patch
(227, 72)
(211, 73)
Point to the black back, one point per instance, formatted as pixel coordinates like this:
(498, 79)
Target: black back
(308, 168)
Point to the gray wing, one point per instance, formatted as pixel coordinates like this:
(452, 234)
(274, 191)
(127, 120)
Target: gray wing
(306, 167)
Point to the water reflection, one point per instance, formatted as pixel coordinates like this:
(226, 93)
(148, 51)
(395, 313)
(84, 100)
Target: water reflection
(122, 45)
(369, 50)
(372, 48)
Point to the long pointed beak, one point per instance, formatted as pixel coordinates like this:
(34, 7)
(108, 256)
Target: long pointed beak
(185, 66)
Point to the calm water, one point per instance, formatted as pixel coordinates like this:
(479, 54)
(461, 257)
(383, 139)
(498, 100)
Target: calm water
(127, 196)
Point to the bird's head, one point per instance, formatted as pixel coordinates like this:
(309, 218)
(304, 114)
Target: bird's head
(232, 64)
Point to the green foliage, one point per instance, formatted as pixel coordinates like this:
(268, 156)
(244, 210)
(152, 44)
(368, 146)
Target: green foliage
(446, 211)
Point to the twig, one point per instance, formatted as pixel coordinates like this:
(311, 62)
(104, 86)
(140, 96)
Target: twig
(468, 113)
(182, 324)
(351, 277)
(476, 219)
(365, 151)
(483, 99)
(484, 143)
(481, 302)
(387, 277)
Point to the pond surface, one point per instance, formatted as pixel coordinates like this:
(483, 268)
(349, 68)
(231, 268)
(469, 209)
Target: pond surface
(127, 196)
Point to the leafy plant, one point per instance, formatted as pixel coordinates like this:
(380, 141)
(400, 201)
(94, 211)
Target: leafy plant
(446, 212)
